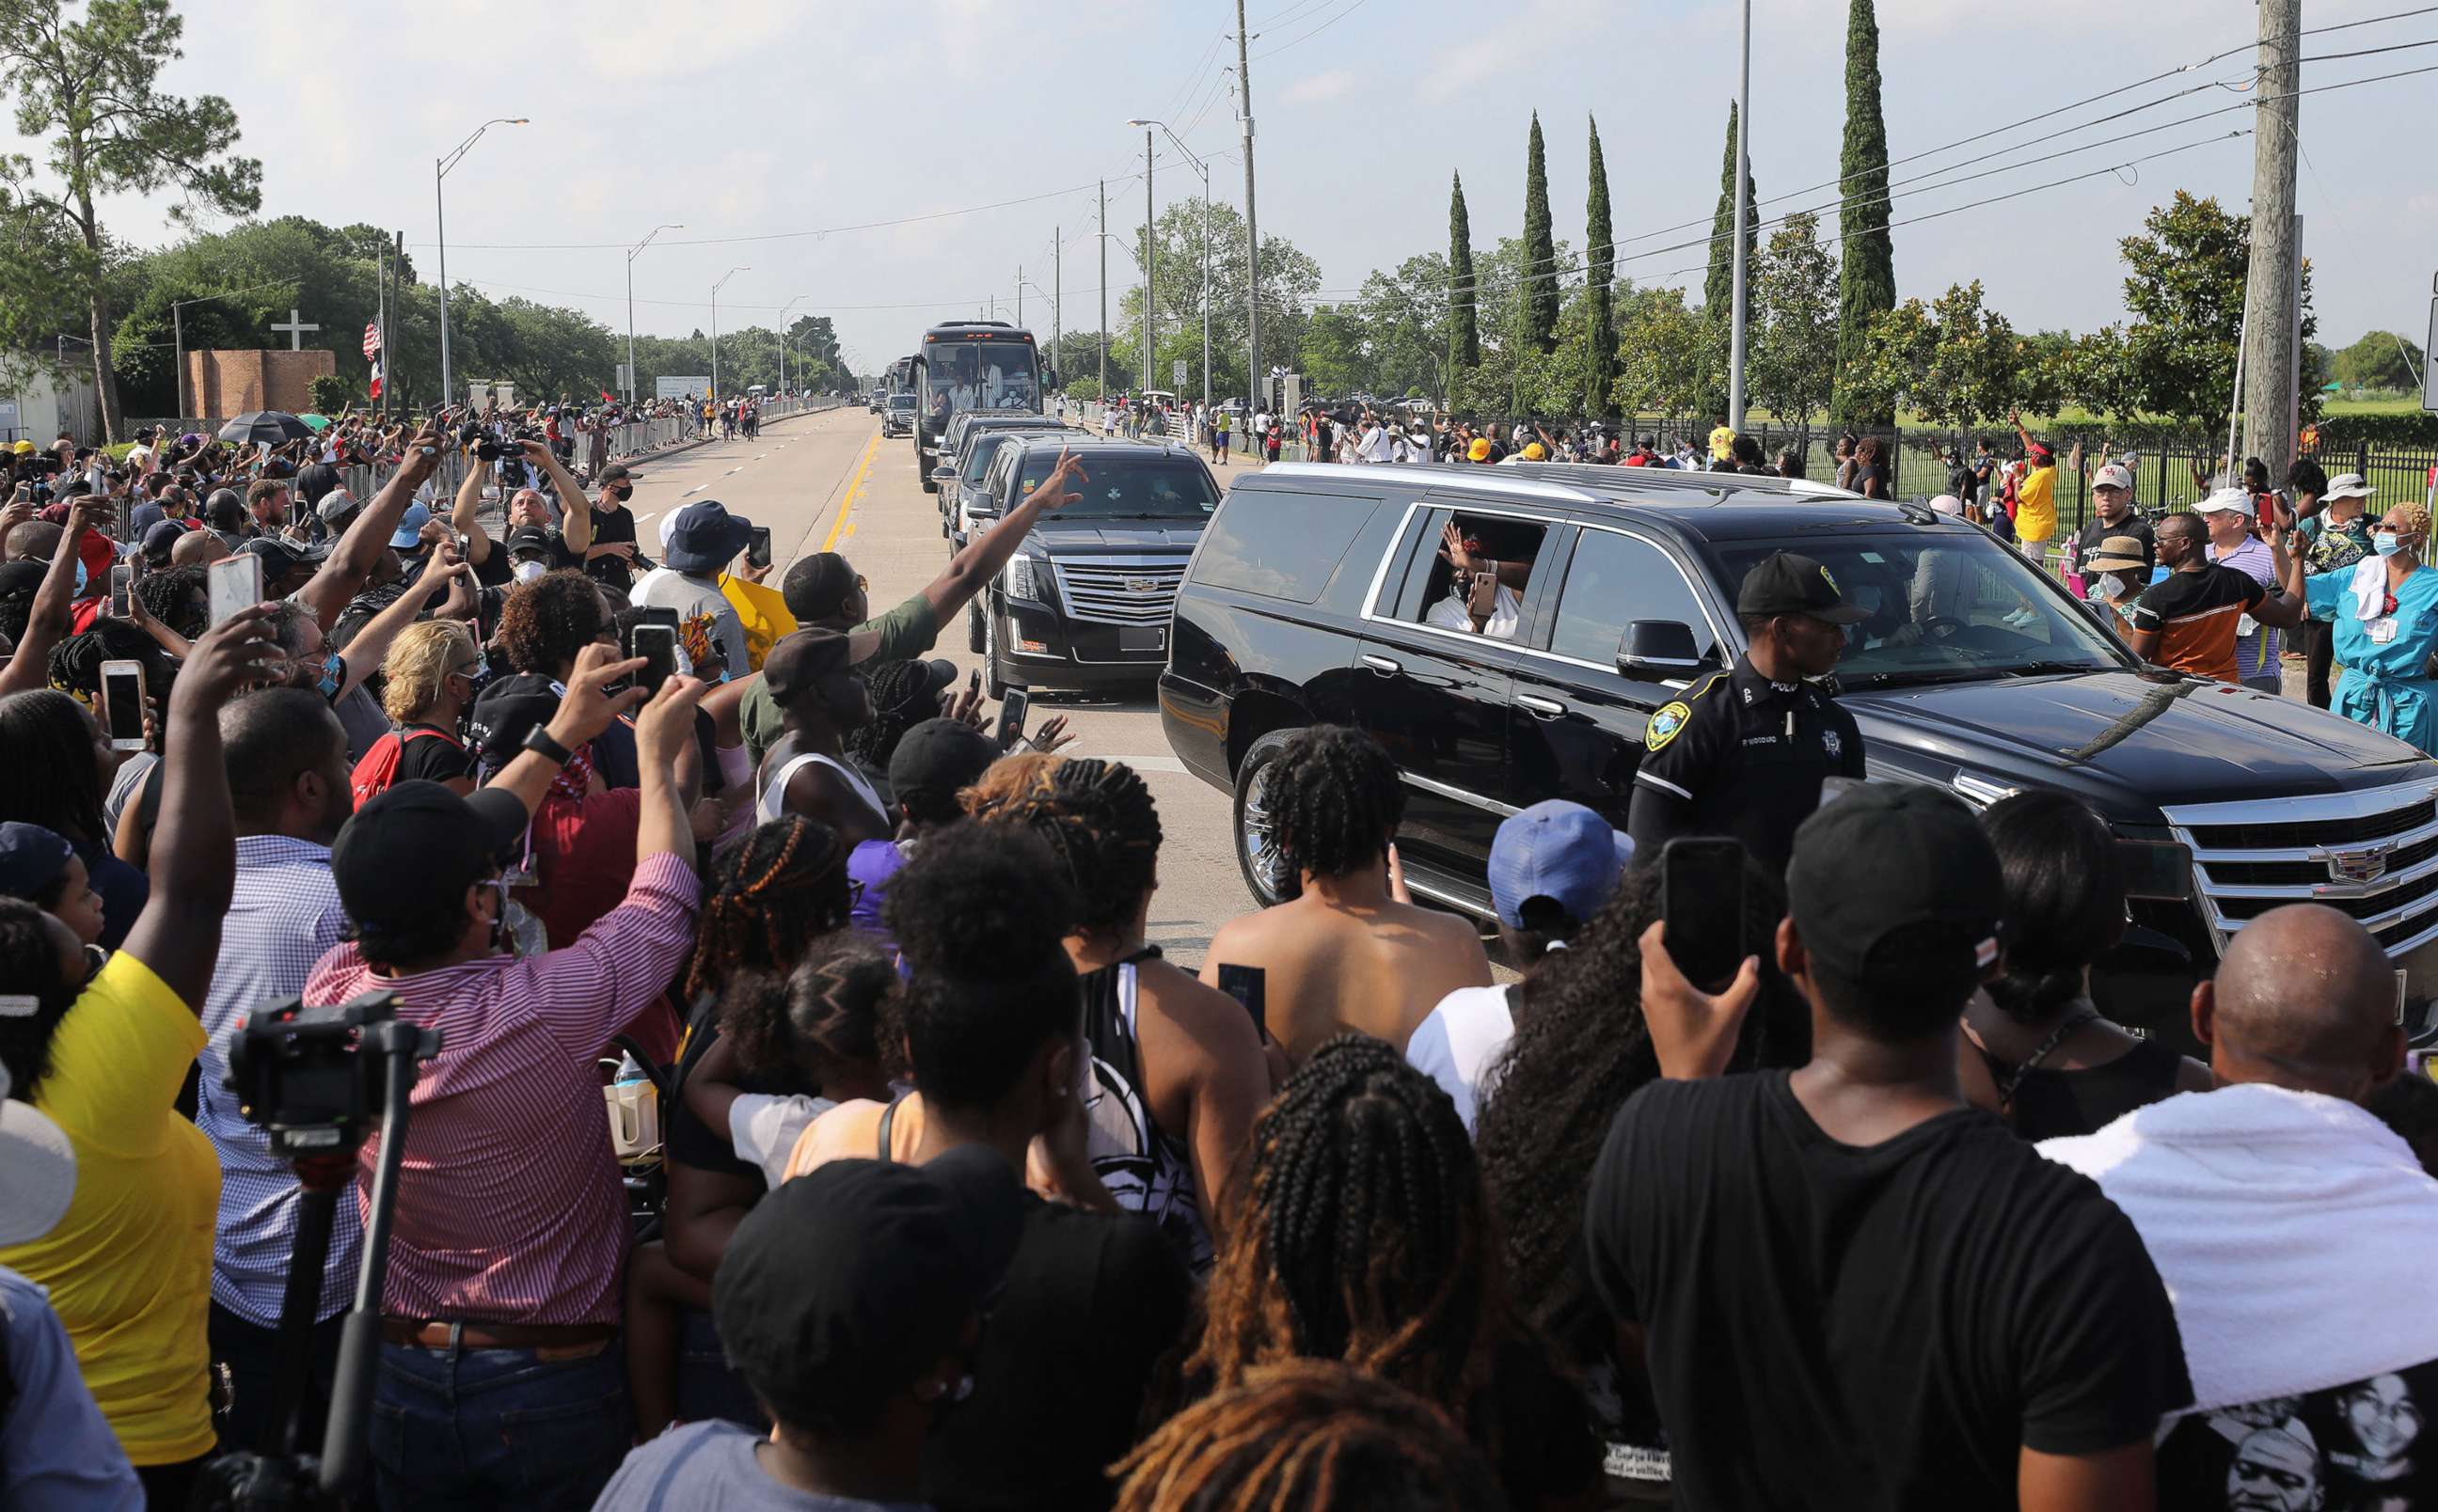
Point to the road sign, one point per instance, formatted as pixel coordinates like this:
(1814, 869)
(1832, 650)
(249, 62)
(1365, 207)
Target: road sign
(1176, 373)
(625, 378)
(678, 388)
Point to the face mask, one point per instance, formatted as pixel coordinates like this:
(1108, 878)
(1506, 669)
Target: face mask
(624, 492)
(527, 571)
(79, 587)
(2387, 542)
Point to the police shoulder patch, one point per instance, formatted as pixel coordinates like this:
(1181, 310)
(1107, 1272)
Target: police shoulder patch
(1666, 725)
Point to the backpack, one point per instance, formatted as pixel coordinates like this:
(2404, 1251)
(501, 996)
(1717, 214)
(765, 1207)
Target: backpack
(378, 769)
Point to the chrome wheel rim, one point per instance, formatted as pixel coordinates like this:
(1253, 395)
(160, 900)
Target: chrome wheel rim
(1257, 828)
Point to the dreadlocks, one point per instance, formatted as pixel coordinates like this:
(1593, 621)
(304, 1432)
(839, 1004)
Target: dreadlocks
(1366, 1236)
(1308, 1437)
(901, 699)
(1337, 798)
(1099, 820)
(768, 895)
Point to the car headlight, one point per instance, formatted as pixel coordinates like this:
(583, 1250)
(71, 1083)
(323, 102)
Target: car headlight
(1017, 580)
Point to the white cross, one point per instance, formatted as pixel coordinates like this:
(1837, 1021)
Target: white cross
(296, 329)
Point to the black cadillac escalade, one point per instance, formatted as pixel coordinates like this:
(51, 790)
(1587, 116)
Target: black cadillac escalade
(1312, 599)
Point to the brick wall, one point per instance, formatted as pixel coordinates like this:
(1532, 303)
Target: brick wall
(224, 384)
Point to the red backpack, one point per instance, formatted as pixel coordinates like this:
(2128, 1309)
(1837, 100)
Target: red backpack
(378, 769)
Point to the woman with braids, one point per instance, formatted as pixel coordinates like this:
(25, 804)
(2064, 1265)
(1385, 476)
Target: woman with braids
(59, 765)
(994, 1039)
(2034, 1049)
(1579, 1051)
(102, 1054)
(1350, 951)
(767, 899)
(1177, 1066)
(1309, 1436)
(1366, 1239)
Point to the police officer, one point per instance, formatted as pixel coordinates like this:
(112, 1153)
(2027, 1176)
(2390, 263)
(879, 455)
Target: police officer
(1744, 751)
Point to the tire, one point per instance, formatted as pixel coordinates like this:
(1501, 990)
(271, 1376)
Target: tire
(1256, 839)
(923, 473)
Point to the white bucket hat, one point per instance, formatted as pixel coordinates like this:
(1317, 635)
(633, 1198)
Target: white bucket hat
(2348, 485)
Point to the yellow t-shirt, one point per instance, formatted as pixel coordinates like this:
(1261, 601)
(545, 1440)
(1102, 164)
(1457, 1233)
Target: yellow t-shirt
(764, 614)
(2036, 505)
(1722, 444)
(130, 1266)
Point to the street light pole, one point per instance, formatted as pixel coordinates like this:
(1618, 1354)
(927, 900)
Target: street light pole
(440, 167)
(715, 327)
(1744, 228)
(782, 341)
(1204, 169)
(632, 252)
(1150, 255)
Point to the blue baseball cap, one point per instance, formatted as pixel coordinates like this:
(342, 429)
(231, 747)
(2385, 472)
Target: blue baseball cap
(1558, 851)
(31, 859)
(409, 526)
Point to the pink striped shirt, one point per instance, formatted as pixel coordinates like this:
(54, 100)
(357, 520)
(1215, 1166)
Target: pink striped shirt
(509, 1206)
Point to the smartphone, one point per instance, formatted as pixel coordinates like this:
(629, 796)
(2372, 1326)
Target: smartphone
(2156, 869)
(1246, 985)
(757, 547)
(122, 590)
(123, 703)
(653, 636)
(233, 585)
(1702, 898)
(1011, 717)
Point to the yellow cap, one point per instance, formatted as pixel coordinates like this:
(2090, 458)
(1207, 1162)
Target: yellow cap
(1479, 451)
(24, 449)
(1533, 452)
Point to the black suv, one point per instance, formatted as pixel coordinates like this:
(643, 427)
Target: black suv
(965, 461)
(1319, 595)
(1085, 601)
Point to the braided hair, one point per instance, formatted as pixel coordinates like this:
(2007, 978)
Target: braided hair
(1367, 1233)
(901, 699)
(1338, 799)
(30, 964)
(769, 894)
(1098, 819)
(168, 594)
(1308, 1435)
(46, 747)
(839, 1005)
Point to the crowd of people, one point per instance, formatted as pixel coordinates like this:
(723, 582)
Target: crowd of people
(964, 1197)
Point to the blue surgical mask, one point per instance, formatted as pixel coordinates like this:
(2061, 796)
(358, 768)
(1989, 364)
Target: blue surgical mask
(2387, 543)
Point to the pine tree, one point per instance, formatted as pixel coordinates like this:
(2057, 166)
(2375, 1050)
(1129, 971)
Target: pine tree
(1537, 288)
(1464, 329)
(1718, 290)
(1867, 274)
(1599, 258)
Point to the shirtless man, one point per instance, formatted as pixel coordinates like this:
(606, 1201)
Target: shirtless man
(1349, 953)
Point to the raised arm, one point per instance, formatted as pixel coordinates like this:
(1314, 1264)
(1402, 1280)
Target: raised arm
(571, 496)
(462, 517)
(350, 564)
(2285, 607)
(662, 731)
(970, 568)
(581, 716)
(47, 623)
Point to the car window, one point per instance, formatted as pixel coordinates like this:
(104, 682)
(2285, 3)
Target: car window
(1507, 548)
(1277, 544)
(1613, 581)
(1129, 484)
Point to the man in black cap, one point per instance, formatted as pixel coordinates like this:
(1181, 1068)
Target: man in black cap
(824, 591)
(1742, 753)
(1845, 1275)
(851, 1299)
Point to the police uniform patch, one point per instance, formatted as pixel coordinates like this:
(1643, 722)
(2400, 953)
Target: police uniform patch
(1829, 742)
(1666, 725)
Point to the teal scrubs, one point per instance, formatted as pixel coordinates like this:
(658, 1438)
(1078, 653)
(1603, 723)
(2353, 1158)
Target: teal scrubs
(2384, 686)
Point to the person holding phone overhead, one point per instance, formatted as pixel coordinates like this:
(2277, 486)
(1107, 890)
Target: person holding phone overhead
(1744, 751)
(703, 539)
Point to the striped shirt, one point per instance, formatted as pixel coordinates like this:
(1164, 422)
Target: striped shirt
(2255, 655)
(283, 917)
(509, 1205)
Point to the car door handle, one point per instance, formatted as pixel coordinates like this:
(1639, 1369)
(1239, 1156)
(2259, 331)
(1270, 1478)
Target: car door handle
(1385, 666)
(1541, 708)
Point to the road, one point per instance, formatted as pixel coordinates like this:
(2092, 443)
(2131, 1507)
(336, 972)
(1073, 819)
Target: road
(828, 482)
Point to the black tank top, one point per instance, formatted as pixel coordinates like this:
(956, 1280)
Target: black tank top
(2050, 1104)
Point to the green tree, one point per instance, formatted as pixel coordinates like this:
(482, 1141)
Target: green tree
(1867, 274)
(2378, 360)
(1599, 252)
(331, 394)
(1463, 297)
(1405, 311)
(90, 83)
(2174, 359)
(1289, 277)
(1665, 354)
(1719, 288)
(1792, 362)
(1538, 294)
(1950, 361)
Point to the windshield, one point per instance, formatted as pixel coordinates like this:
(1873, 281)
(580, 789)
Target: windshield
(995, 375)
(1119, 486)
(1946, 607)
(901, 402)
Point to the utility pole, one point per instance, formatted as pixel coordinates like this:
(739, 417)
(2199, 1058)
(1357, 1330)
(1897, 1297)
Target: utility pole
(1150, 256)
(1256, 385)
(1743, 227)
(1104, 291)
(1019, 295)
(1057, 297)
(2271, 347)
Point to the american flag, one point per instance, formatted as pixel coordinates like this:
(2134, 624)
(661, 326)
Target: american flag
(372, 339)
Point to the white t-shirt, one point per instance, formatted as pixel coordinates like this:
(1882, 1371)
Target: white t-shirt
(764, 1128)
(1505, 612)
(1454, 1045)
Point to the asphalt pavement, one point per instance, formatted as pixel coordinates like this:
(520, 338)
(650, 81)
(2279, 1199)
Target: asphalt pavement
(828, 482)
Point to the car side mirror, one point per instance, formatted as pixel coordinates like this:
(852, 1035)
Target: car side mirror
(944, 475)
(1658, 648)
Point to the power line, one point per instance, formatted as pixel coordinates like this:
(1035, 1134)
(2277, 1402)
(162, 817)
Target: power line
(1313, 33)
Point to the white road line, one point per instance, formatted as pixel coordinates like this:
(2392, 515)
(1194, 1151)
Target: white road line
(652, 515)
(696, 490)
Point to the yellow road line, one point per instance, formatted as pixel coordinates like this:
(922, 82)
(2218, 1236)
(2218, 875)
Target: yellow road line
(853, 491)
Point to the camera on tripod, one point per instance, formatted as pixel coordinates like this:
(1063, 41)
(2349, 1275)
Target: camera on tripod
(302, 1075)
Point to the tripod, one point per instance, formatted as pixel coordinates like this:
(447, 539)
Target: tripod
(277, 1473)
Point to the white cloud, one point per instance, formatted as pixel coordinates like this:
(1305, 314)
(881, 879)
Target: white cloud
(1314, 88)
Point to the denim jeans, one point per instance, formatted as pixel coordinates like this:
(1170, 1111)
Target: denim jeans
(708, 1385)
(497, 1428)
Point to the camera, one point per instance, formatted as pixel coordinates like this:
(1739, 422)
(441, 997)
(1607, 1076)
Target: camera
(301, 1072)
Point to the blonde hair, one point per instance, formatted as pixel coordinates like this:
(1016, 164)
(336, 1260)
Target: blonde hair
(419, 665)
(2416, 519)
(1009, 780)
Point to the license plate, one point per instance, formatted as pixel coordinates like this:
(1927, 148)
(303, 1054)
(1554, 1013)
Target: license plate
(1144, 638)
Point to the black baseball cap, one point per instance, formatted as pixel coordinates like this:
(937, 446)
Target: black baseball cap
(842, 1286)
(615, 473)
(412, 851)
(937, 759)
(1789, 583)
(496, 727)
(280, 555)
(801, 659)
(1887, 857)
(529, 539)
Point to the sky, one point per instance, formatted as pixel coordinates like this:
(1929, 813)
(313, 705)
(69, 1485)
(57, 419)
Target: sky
(884, 127)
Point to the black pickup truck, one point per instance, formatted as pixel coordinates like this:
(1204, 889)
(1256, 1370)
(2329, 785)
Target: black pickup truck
(1318, 595)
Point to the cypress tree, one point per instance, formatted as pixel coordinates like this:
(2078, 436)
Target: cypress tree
(1719, 288)
(1867, 272)
(1599, 253)
(1464, 330)
(1538, 288)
